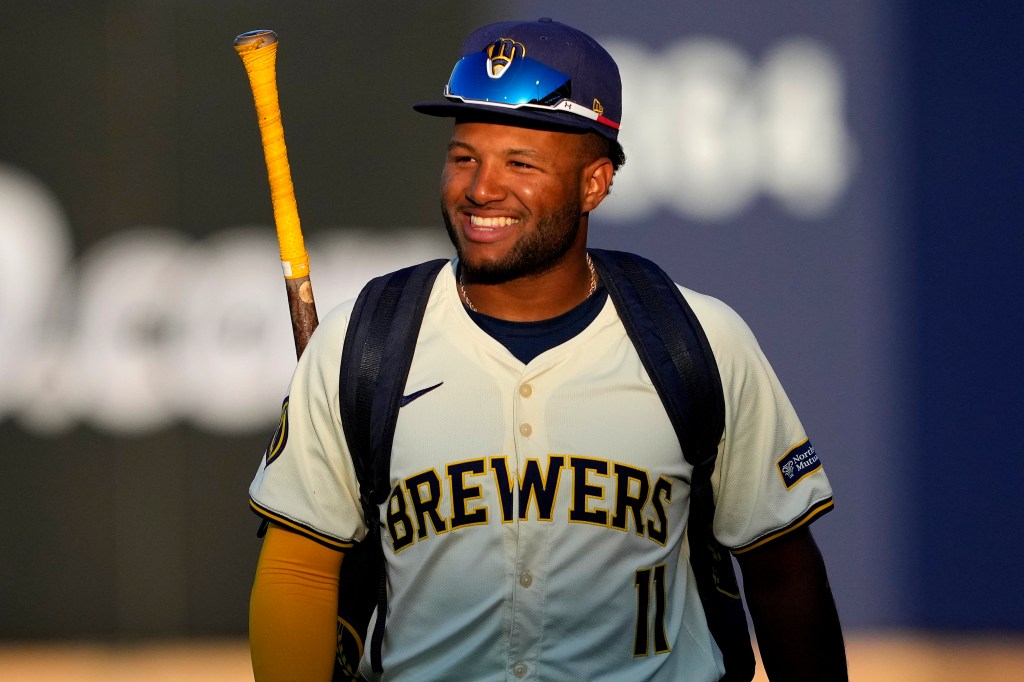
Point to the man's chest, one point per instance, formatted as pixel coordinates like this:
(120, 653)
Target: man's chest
(578, 437)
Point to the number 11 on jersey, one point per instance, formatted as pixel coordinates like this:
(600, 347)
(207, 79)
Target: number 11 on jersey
(650, 586)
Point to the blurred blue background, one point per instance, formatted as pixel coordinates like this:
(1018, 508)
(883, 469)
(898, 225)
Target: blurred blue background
(845, 175)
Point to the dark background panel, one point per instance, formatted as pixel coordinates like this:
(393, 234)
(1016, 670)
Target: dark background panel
(968, 156)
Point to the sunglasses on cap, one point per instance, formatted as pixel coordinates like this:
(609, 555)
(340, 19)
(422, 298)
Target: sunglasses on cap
(518, 83)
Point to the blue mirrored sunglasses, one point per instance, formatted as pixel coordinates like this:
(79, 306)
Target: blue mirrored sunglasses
(523, 81)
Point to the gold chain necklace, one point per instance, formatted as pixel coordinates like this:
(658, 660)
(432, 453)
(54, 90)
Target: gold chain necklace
(469, 303)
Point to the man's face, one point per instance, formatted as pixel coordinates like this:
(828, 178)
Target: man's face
(512, 199)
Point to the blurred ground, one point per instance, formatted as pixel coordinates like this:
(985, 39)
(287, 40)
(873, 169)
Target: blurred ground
(897, 657)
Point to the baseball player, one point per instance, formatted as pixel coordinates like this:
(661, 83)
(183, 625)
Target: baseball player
(539, 502)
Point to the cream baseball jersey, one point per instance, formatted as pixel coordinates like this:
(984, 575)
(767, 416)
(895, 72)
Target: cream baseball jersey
(536, 523)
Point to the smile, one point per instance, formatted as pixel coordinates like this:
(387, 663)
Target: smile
(500, 221)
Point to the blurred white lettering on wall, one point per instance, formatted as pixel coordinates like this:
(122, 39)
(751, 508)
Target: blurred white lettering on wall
(706, 130)
(150, 328)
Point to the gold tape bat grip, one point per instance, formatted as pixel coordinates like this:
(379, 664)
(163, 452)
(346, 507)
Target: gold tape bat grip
(258, 51)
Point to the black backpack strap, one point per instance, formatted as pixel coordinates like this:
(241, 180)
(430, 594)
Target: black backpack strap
(379, 346)
(675, 352)
(376, 359)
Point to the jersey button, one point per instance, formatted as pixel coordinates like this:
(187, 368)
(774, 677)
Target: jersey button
(526, 579)
(520, 670)
(525, 429)
(526, 390)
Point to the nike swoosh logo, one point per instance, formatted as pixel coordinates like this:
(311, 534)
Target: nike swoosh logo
(406, 399)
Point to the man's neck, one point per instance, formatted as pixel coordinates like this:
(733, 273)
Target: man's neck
(536, 297)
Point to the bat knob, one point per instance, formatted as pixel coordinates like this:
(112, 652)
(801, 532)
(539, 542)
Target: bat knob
(256, 39)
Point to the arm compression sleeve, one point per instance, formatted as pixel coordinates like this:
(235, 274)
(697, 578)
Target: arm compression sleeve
(293, 609)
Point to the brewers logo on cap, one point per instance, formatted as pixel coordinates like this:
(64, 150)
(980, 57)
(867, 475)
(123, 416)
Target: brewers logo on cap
(501, 53)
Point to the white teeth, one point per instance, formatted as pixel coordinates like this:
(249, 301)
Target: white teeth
(501, 221)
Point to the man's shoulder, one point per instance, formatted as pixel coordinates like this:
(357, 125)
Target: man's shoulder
(709, 309)
(338, 316)
(716, 317)
(726, 331)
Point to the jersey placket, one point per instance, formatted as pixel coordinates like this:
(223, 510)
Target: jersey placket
(533, 529)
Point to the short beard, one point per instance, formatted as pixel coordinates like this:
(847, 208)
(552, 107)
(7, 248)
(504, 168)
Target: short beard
(533, 254)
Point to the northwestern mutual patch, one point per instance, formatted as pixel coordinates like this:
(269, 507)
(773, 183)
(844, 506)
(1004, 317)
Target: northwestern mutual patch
(797, 463)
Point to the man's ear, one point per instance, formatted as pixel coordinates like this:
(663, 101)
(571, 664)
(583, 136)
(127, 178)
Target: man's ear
(597, 178)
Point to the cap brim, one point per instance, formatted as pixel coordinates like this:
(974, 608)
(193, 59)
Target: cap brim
(527, 118)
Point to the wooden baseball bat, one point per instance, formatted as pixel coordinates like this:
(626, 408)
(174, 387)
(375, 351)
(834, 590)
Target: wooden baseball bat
(258, 50)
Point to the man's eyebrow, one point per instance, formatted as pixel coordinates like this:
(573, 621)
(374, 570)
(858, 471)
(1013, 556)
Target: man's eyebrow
(526, 151)
(458, 144)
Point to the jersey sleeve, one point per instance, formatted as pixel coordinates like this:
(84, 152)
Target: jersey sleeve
(306, 480)
(768, 478)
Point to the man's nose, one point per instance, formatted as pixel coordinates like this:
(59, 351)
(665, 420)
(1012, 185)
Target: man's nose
(486, 185)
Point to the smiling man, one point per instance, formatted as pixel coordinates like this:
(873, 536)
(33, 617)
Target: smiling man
(534, 523)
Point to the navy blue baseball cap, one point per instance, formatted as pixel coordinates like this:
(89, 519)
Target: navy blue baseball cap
(541, 71)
